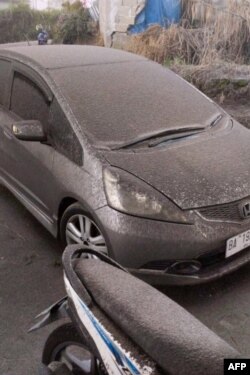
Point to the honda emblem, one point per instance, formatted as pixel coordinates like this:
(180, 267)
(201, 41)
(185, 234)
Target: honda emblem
(245, 210)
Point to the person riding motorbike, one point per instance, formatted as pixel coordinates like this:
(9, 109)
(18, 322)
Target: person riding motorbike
(42, 37)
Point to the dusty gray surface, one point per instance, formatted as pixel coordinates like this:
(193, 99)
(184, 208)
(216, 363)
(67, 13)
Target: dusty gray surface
(179, 340)
(31, 279)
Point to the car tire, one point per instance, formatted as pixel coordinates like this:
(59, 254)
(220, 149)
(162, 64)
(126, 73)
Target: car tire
(73, 220)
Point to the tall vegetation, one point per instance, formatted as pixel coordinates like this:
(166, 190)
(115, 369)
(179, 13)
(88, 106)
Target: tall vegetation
(71, 24)
(74, 24)
(19, 22)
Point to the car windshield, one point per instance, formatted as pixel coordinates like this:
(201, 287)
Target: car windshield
(116, 103)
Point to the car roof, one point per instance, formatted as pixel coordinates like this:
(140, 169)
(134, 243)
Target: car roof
(66, 56)
(116, 96)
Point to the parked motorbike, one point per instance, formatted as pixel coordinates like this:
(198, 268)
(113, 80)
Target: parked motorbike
(117, 324)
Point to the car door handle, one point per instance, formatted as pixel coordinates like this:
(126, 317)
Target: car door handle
(7, 134)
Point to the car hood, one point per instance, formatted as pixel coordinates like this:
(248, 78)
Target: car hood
(210, 170)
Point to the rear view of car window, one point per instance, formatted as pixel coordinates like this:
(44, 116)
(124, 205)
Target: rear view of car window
(4, 76)
(28, 101)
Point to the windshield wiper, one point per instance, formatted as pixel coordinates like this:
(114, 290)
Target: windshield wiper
(160, 136)
(215, 121)
(187, 133)
(174, 137)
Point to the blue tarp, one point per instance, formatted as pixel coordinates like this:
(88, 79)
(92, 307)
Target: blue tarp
(157, 12)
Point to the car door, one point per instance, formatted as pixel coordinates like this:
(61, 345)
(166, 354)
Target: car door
(28, 165)
(68, 157)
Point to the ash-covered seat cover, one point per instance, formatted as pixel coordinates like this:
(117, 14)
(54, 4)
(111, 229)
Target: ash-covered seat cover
(170, 335)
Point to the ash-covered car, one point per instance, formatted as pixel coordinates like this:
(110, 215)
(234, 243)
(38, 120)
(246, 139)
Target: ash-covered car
(111, 150)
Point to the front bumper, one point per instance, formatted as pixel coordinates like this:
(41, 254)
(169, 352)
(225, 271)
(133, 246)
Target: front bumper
(136, 242)
(210, 274)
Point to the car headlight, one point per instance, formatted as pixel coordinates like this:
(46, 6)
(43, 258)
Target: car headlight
(129, 194)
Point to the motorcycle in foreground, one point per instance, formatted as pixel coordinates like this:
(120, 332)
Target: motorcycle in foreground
(117, 324)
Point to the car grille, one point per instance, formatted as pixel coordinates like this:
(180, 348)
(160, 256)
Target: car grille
(226, 212)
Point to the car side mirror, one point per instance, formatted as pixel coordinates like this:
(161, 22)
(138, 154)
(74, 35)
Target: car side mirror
(29, 130)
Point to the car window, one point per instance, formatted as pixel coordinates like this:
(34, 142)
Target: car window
(28, 101)
(4, 77)
(62, 135)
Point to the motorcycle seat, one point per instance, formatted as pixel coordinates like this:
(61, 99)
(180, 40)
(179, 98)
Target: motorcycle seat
(166, 332)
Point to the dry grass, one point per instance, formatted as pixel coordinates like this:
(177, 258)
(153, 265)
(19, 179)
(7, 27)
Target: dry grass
(162, 45)
(99, 40)
(207, 33)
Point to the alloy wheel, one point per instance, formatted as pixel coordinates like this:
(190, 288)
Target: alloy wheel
(80, 229)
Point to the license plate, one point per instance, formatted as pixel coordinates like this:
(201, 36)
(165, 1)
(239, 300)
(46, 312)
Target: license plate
(237, 243)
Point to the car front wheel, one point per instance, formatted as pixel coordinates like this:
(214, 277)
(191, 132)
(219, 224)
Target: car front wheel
(78, 227)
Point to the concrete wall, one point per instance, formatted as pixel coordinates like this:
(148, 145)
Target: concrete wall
(116, 16)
